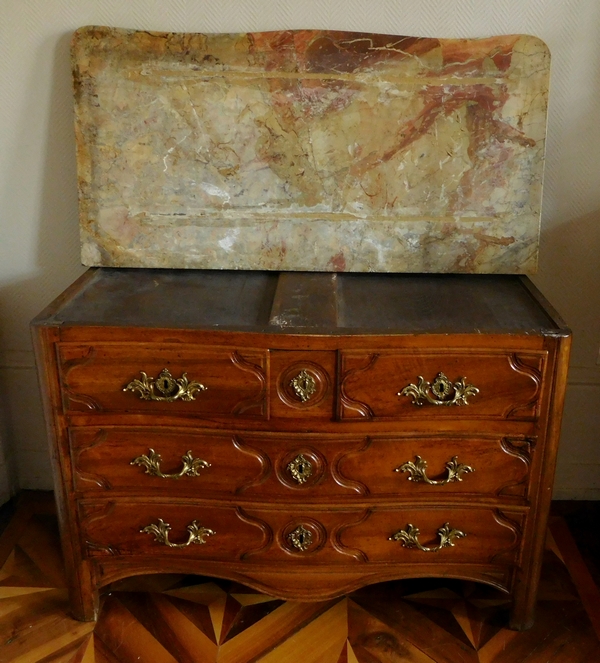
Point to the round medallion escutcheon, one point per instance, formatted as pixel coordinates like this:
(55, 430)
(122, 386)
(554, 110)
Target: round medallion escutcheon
(301, 468)
(303, 536)
(303, 385)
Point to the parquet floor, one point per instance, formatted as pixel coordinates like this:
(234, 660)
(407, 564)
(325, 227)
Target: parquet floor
(185, 619)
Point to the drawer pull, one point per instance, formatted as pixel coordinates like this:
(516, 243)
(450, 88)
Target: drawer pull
(191, 466)
(446, 392)
(418, 471)
(408, 537)
(301, 538)
(300, 468)
(165, 387)
(196, 533)
(304, 385)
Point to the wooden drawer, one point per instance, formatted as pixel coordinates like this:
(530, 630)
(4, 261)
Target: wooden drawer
(115, 528)
(436, 467)
(151, 459)
(110, 378)
(264, 466)
(302, 536)
(441, 384)
(451, 535)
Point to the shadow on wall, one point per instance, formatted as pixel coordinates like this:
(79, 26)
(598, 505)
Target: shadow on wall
(23, 441)
(57, 255)
(570, 277)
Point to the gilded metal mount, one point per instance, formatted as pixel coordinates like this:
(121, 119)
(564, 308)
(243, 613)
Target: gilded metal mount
(444, 391)
(408, 537)
(196, 533)
(418, 471)
(300, 468)
(301, 538)
(304, 385)
(165, 387)
(190, 466)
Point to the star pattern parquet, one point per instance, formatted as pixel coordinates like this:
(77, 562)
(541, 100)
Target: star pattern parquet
(189, 619)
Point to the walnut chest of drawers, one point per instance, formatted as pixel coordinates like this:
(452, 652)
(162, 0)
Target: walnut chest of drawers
(304, 434)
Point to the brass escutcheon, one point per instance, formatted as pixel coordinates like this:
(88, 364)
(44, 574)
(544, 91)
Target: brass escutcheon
(408, 537)
(165, 387)
(442, 388)
(304, 385)
(301, 538)
(190, 466)
(196, 533)
(418, 471)
(300, 468)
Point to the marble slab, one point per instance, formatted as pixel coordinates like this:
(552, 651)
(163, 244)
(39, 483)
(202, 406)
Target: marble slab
(310, 150)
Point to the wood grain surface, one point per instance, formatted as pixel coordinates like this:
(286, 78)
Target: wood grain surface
(189, 619)
(442, 370)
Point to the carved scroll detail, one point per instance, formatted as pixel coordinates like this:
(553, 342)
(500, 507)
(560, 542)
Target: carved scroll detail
(502, 519)
(102, 482)
(264, 461)
(89, 514)
(520, 448)
(260, 400)
(531, 409)
(336, 540)
(340, 478)
(68, 394)
(265, 528)
(351, 404)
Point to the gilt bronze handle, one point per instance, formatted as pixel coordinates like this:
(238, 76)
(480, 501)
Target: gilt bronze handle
(444, 391)
(165, 387)
(408, 537)
(418, 471)
(151, 462)
(196, 533)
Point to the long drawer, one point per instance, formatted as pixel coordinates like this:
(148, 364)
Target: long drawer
(297, 536)
(265, 466)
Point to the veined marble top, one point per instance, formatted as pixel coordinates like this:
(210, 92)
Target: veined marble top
(310, 150)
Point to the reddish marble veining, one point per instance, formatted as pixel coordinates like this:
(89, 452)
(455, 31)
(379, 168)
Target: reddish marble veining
(310, 150)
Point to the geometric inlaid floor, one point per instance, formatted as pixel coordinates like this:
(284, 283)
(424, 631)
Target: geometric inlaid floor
(190, 619)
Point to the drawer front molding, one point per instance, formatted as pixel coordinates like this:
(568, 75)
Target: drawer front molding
(487, 385)
(102, 378)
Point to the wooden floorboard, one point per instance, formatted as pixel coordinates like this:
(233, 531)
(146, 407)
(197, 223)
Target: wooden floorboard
(187, 619)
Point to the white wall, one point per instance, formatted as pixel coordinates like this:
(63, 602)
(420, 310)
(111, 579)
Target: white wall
(39, 249)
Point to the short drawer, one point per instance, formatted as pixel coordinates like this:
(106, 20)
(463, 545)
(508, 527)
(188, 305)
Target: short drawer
(302, 535)
(267, 466)
(165, 379)
(443, 384)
